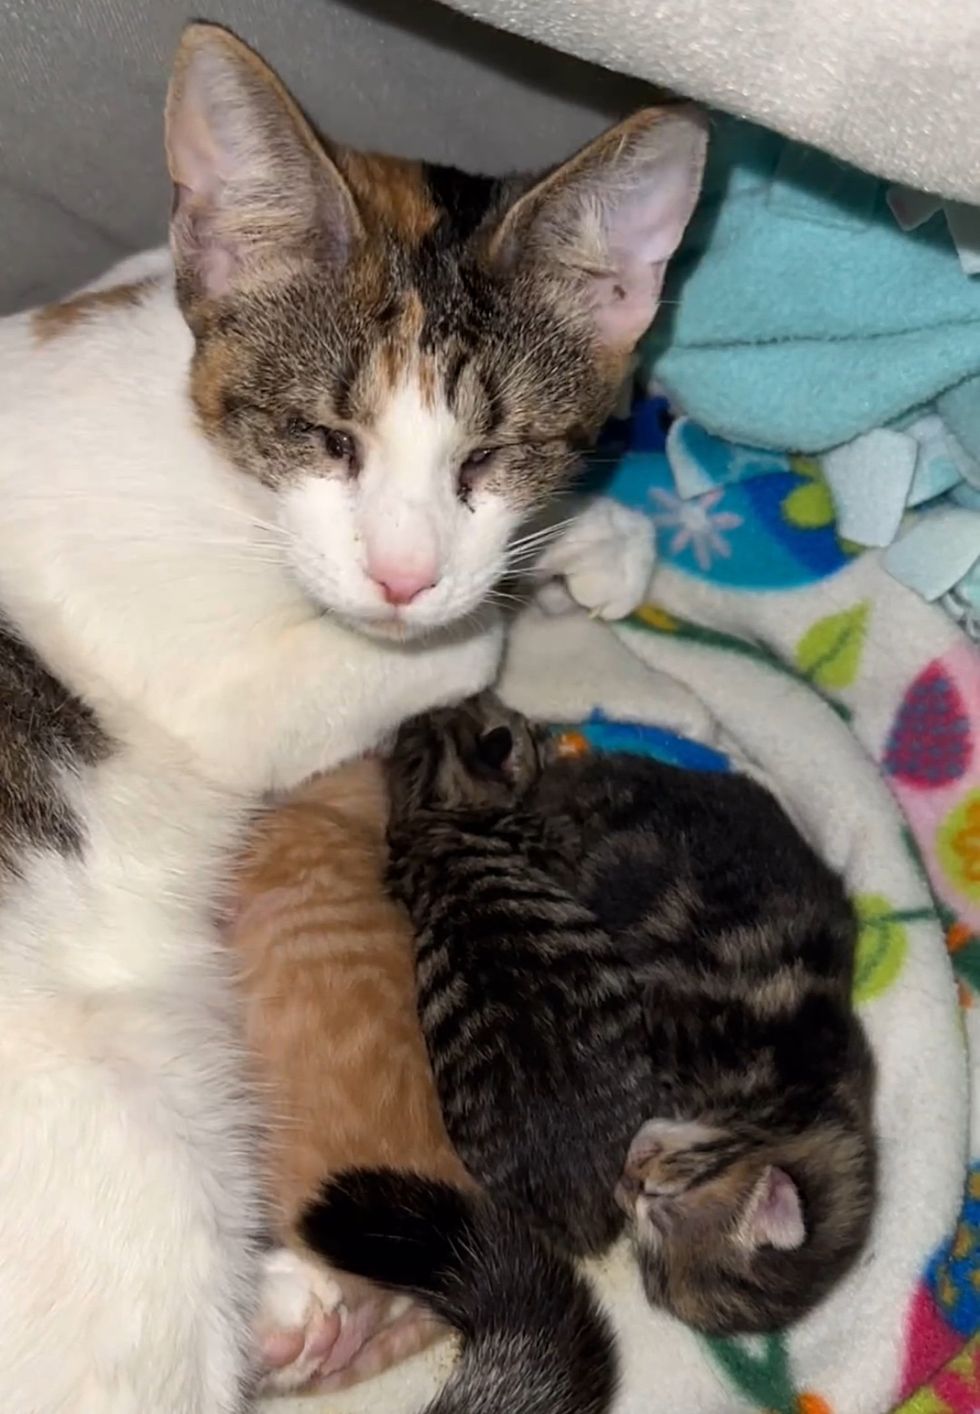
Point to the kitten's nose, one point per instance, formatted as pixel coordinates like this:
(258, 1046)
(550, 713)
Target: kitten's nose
(401, 582)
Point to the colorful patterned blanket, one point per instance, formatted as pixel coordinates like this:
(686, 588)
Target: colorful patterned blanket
(805, 663)
(768, 615)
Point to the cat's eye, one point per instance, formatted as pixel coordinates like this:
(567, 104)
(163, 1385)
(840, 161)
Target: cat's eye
(477, 458)
(470, 469)
(339, 446)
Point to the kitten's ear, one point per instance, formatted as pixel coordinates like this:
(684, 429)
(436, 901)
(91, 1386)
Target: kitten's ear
(610, 218)
(253, 186)
(774, 1214)
(495, 746)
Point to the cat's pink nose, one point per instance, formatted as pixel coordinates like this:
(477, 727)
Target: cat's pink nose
(402, 584)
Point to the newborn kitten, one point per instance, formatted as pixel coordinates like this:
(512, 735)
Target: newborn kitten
(752, 1182)
(329, 990)
(531, 1012)
(552, 899)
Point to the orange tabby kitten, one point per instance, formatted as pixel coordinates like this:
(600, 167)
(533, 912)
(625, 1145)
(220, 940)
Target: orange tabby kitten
(329, 986)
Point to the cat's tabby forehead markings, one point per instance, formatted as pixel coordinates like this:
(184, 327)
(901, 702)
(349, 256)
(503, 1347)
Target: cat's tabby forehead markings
(414, 305)
(397, 190)
(410, 358)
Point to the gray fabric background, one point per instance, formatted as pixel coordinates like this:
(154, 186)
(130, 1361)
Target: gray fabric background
(887, 85)
(82, 178)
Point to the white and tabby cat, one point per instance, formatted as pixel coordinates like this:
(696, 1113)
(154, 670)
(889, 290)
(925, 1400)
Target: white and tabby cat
(332, 424)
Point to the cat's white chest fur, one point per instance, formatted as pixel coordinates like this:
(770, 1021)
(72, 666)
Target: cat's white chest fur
(142, 569)
(127, 1150)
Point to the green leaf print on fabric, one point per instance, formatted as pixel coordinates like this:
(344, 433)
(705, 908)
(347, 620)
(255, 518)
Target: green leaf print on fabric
(882, 943)
(829, 653)
(758, 1367)
(810, 506)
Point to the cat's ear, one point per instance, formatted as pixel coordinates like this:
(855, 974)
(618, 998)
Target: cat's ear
(609, 219)
(253, 187)
(774, 1214)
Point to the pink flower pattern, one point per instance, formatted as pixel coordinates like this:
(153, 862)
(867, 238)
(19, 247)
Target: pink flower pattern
(695, 523)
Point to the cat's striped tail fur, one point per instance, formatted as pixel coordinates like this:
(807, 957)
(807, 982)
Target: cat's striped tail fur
(534, 1338)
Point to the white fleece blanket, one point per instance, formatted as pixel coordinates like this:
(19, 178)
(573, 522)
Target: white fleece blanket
(889, 85)
(859, 704)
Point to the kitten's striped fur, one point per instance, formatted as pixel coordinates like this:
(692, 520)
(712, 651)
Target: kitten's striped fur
(535, 1341)
(325, 963)
(531, 1011)
(607, 941)
(753, 1185)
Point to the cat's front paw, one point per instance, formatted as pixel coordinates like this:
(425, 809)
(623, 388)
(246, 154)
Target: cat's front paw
(299, 1324)
(603, 562)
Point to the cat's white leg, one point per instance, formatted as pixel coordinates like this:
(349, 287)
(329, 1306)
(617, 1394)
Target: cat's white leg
(327, 694)
(126, 1263)
(603, 561)
(562, 669)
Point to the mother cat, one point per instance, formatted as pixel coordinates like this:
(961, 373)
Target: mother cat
(364, 378)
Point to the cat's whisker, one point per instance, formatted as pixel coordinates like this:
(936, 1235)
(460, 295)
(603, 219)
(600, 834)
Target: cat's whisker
(501, 596)
(551, 528)
(532, 546)
(539, 538)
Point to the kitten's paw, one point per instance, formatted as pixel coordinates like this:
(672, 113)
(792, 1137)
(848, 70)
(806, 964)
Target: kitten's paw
(605, 560)
(300, 1321)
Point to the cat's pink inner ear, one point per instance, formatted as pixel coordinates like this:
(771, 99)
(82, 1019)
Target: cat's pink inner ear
(611, 218)
(643, 222)
(251, 182)
(774, 1216)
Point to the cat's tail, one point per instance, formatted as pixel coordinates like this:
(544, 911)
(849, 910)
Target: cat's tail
(534, 1338)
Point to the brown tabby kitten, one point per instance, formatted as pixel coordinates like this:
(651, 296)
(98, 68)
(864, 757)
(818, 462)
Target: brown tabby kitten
(530, 1008)
(553, 900)
(752, 1183)
(329, 992)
